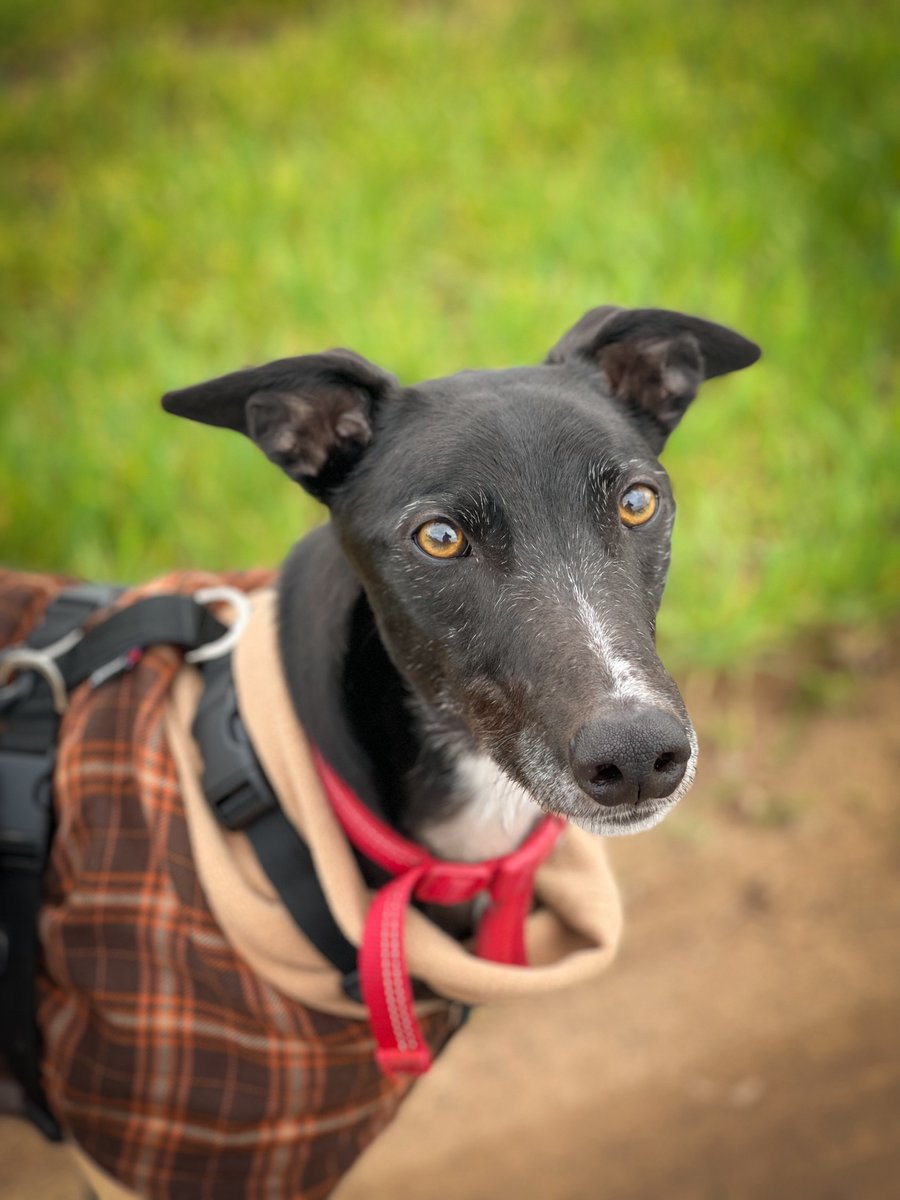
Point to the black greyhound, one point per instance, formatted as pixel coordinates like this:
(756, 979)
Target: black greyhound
(470, 640)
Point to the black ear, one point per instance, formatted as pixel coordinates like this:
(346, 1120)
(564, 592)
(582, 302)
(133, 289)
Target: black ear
(312, 415)
(654, 360)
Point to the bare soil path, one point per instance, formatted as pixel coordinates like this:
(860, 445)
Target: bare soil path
(747, 1043)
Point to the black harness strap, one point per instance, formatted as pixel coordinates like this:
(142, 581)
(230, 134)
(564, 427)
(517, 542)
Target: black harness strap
(31, 716)
(30, 711)
(236, 786)
(242, 799)
(233, 780)
(27, 756)
(70, 610)
(156, 621)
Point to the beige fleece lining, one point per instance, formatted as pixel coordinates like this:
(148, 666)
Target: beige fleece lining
(572, 937)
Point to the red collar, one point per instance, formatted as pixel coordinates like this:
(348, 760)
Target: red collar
(384, 975)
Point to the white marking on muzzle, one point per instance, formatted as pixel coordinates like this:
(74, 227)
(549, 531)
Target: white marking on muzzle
(628, 683)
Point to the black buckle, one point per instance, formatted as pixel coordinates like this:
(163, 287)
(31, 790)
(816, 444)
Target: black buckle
(233, 780)
(25, 811)
(243, 806)
(242, 798)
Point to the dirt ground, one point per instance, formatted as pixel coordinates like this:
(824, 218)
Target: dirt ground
(747, 1042)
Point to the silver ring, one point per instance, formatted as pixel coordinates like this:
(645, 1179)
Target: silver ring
(240, 603)
(24, 658)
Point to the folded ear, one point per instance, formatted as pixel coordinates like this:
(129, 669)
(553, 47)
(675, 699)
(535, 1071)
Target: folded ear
(311, 415)
(653, 360)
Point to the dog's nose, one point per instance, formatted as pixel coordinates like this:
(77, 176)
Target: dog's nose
(624, 758)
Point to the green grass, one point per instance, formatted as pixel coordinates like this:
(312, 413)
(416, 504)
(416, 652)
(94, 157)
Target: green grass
(191, 187)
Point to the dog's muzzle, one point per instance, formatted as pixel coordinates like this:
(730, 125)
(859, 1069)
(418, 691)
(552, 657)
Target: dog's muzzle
(631, 757)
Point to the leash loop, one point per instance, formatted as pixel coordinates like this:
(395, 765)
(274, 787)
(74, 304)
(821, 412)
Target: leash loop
(223, 645)
(383, 970)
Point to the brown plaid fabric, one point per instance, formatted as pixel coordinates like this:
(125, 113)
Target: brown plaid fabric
(170, 1062)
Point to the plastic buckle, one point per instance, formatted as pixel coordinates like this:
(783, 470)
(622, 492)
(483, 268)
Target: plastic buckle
(19, 854)
(233, 781)
(25, 808)
(242, 807)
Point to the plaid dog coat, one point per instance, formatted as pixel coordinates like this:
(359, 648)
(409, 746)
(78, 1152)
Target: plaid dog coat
(180, 1053)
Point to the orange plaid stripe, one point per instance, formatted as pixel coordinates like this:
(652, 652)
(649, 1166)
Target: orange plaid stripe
(167, 1059)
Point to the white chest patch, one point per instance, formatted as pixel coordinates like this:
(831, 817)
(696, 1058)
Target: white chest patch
(494, 817)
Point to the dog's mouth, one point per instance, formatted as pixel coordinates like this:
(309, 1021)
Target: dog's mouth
(542, 772)
(615, 823)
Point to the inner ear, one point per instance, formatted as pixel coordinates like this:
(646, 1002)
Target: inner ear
(312, 415)
(653, 361)
(658, 377)
(315, 439)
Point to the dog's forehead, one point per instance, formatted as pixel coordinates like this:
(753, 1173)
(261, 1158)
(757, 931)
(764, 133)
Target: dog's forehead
(513, 417)
(529, 441)
(510, 387)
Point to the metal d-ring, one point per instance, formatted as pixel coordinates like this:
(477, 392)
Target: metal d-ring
(25, 658)
(241, 605)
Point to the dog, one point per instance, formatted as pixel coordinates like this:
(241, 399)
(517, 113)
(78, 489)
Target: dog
(469, 642)
(498, 547)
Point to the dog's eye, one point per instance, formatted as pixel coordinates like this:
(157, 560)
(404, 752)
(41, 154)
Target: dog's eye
(638, 505)
(441, 539)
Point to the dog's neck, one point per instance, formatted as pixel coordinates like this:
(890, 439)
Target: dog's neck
(427, 778)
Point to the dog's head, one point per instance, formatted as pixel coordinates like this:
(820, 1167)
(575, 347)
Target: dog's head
(512, 531)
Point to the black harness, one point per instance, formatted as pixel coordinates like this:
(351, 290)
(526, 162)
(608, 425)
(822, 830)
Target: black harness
(35, 680)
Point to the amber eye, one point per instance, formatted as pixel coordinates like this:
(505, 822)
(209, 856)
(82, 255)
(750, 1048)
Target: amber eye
(638, 505)
(441, 539)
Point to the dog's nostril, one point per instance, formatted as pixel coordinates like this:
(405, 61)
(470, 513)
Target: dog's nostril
(630, 756)
(608, 773)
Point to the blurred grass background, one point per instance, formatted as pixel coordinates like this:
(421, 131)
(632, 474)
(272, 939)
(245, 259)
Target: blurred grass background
(190, 187)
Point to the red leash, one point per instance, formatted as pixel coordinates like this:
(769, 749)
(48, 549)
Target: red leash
(384, 975)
